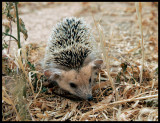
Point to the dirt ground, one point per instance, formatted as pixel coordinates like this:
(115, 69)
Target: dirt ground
(118, 21)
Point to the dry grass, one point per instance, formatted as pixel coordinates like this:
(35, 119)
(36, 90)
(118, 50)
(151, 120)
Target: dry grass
(126, 89)
(139, 15)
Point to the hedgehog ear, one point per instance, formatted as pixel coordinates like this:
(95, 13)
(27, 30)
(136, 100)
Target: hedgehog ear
(53, 74)
(90, 58)
(97, 64)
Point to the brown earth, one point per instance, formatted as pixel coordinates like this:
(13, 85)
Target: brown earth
(122, 35)
(118, 20)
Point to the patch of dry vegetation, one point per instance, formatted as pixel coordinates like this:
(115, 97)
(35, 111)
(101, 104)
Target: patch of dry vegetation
(124, 91)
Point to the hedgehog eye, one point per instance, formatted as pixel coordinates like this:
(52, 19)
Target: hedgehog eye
(90, 80)
(73, 85)
(96, 73)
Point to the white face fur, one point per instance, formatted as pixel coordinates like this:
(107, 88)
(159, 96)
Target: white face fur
(79, 82)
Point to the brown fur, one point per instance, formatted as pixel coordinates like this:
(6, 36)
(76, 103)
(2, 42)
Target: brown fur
(81, 79)
(70, 57)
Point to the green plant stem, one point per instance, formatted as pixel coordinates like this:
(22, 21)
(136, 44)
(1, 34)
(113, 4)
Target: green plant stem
(10, 36)
(18, 29)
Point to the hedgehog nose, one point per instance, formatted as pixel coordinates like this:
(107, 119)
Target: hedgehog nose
(89, 97)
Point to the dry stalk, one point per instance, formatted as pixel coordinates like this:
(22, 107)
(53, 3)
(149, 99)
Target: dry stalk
(19, 61)
(11, 102)
(105, 52)
(145, 93)
(138, 6)
(37, 83)
(100, 87)
(102, 106)
(135, 48)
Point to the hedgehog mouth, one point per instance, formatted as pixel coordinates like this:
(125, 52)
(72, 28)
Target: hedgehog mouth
(86, 97)
(83, 95)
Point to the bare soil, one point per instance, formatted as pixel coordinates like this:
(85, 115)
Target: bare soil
(122, 35)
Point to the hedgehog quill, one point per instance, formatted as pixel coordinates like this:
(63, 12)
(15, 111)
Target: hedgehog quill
(72, 58)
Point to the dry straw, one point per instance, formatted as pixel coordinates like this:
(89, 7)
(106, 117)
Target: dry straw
(20, 64)
(9, 101)
(138, 6)
(127, 105)
(102, 106)
(105, 52)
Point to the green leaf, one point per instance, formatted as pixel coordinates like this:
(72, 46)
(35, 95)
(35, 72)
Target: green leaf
(6, 26)
(10, 11)
(7, 29)
(156, 70)
(31, 65)
(124, 66)
(4, 45)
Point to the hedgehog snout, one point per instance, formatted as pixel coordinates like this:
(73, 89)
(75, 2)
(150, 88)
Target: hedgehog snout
(89, 97)
(84, 92)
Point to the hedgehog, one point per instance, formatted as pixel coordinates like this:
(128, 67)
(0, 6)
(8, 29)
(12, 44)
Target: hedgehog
(72, 58)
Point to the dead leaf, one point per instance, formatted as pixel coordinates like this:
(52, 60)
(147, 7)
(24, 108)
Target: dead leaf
(23, 29)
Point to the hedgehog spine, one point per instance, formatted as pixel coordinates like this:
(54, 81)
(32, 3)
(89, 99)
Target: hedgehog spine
(69, 44)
